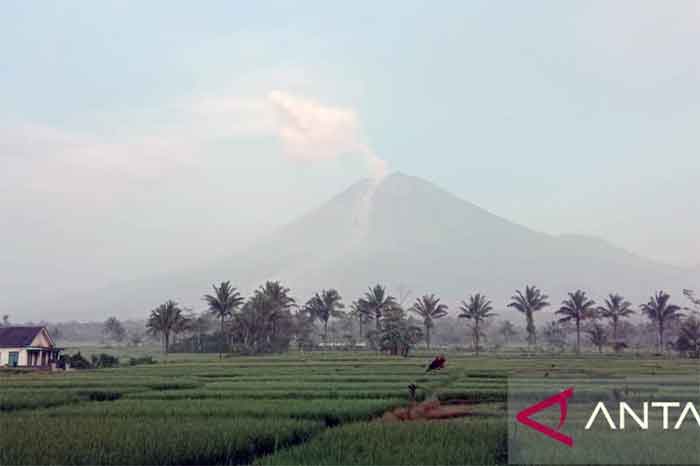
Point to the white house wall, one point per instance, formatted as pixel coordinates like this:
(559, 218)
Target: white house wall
(5, 356)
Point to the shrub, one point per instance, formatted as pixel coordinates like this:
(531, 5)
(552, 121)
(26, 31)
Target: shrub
(105, 360)
(76, 361)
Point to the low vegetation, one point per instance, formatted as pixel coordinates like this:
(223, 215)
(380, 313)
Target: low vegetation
(134, 440)
(324, 408)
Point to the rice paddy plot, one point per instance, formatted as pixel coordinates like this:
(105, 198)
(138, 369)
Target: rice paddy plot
(91, 440)
(329, 411)
(320, 408)
(272, 394)
(475, 441)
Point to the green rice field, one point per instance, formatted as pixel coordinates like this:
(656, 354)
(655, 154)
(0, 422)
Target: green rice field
(313, 408)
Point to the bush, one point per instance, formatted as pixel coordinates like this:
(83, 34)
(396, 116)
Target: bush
(105, 360)
(76, 361)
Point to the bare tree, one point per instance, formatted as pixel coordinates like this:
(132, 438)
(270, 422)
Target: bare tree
(597, 335)
(113, 329)
(507, 331)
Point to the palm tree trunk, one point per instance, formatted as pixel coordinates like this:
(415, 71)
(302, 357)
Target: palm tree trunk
(325, 331)
(578, 336)
(661, 337)
(427, 336)
(614, 331)
(531, 332)
(476, 337)
(223, 339)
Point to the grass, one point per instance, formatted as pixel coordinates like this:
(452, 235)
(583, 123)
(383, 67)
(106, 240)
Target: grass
(329, 411)
(270, 394)
(473, 441)
(318, 408)
(20, 399)
(91, 440)
(12, 400)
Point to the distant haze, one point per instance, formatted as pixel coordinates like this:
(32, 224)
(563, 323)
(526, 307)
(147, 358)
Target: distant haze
(411, 236)
(144, 142)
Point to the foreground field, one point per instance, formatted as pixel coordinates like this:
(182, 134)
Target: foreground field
(320, 408)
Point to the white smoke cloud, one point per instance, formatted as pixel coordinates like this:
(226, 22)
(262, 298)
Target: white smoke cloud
(60, 160)
(313, 132)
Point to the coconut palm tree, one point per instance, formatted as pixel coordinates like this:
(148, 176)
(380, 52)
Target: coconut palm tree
(163, 320)
(222, 304)
(577, 308)
(324, 306)
(314, 309)
(477, 310)
(660, 312)
(184, 324)
(279, 302)
(333, 303)
(376, 301)
(528, 303)
(616, 308)
(597, 335)
(429, 308)
(357, 311)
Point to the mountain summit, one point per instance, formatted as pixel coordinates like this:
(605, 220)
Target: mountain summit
(412, 236)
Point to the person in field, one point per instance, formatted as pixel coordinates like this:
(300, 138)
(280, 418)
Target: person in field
(437, 363)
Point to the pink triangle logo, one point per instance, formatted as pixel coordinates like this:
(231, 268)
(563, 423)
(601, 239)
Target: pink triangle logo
(561, 399)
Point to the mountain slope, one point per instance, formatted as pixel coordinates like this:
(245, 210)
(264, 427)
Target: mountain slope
(406, 233)
(425, 239)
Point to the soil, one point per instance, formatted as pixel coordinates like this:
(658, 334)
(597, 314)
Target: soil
(432, 410)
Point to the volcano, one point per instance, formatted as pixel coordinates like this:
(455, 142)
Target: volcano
(414, 237)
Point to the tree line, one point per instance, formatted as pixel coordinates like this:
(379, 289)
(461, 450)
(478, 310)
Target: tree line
(270, 320)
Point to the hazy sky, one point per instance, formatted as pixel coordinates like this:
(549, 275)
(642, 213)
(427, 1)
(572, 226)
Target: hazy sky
(141, 137)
